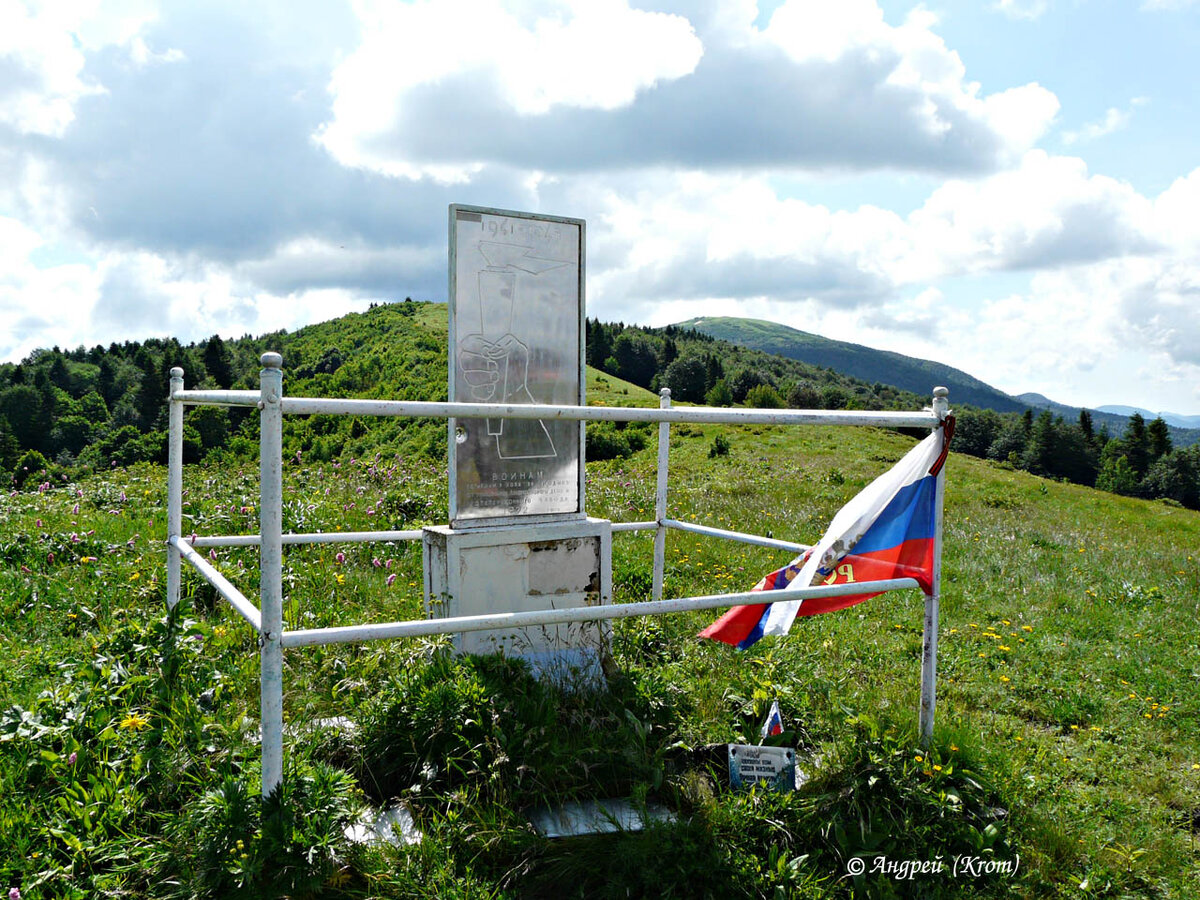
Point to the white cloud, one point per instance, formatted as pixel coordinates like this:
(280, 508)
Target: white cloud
(588, 54)
(1026, 10)
(1170, 5)
(1046, 213)
(444, 90)
(43, 50)
(1114, 120)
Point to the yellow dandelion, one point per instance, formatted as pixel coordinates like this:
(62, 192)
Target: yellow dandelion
(341, 579)
(134, 722)
(954, 748)
(1005, 648)
(937, 768)
(1027, 628)
(1004, 678)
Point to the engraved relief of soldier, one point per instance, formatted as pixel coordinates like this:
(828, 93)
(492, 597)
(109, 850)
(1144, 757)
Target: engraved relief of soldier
(495, 362)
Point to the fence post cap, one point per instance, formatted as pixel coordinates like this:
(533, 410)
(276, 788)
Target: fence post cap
(272, 361)
(176, 373)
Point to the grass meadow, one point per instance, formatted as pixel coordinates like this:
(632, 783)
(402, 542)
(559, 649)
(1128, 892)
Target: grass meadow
(1065, 761)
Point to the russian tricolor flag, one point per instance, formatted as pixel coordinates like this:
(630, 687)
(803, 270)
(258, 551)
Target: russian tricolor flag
(887, 531)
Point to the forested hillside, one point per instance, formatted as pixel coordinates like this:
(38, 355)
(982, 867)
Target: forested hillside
(65, 413)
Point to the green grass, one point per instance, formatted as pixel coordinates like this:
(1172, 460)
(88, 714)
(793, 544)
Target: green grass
(1067, 739)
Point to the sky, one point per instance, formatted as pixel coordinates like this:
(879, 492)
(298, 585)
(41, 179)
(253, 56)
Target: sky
(1010, 187)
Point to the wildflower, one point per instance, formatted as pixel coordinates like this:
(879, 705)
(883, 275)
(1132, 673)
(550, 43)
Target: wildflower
(212, 554)
(135, 576)
(954, 748)
(1005, 648)
(391, 579)
(937, 768)
(1027, 628)
(14, 894)
(1004, 678)
(341, 579)
(72, 758)
(341, 558)
(919, 758)
(134, 722)
(376, 563)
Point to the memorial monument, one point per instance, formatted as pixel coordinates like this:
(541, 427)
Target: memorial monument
(519, 538)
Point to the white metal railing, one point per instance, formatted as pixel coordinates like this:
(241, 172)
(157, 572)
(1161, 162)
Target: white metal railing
(267, 618)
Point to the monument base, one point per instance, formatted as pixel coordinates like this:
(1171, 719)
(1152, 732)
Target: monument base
(559, 565)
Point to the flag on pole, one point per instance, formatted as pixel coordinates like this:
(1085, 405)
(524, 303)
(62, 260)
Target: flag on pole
(886, 531)
(773, 724)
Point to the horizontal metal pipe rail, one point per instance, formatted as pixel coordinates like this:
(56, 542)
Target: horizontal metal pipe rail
(633, 526)
(735, 536)
(694, 414)
(209, 573)
(371, 537)
(532, 618)
(324, 537)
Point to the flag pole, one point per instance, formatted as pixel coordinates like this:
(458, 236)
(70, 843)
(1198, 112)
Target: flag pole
(941, 408)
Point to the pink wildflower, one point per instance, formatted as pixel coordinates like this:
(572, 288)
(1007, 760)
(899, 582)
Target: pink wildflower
(341, 558)
(75, 510)
(375, 562)
(391, 579)
(14, 894)
(71, 759)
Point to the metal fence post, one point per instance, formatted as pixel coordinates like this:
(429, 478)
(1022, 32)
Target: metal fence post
(660, 496)
(270, 514)
(174, 486)
(941, 408)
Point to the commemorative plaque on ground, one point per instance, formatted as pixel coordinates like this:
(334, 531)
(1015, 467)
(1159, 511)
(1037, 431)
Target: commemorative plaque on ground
(773, 768)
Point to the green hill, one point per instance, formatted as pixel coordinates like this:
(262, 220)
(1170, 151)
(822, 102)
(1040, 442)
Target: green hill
(865, 363)
(1067, 748)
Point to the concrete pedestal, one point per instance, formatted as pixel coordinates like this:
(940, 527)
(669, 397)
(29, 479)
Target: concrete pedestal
(518, 568)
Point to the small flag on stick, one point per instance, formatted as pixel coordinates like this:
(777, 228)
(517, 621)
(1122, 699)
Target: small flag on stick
(773, 724)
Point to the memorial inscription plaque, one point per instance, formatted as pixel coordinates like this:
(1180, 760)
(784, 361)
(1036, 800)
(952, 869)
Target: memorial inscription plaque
(516, 337)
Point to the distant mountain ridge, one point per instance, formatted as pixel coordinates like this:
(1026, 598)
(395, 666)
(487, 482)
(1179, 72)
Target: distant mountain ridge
(1179, 421)
(884, 366)
(912, 374)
